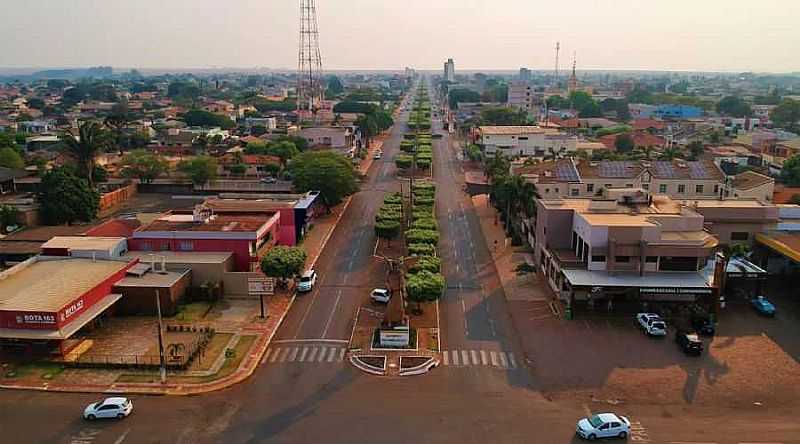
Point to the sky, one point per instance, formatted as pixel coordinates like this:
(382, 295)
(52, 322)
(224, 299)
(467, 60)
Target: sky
(685, 35)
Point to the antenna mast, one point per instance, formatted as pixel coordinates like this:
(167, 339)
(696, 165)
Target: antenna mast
(558, 47)
(310, 90)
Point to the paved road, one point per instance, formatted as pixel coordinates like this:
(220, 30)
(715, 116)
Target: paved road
(305, 392)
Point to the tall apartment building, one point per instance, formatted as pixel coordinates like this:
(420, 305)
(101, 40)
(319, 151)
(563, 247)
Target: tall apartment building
(525, 74)
(450, 70)
(525, 141)
(625, 248)
(521, 95)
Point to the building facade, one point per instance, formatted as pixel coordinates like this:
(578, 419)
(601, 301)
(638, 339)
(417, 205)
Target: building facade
(526, 141)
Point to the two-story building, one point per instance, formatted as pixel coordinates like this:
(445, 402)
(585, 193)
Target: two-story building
(526, 141)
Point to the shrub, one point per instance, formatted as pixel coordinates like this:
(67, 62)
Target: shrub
(393, 198)
(387, 229)
(388, 215)
(403, 161)
(419, 236)
(430, 264)
(421, 249)
(423, 200)
(427, 223)
(423, 163)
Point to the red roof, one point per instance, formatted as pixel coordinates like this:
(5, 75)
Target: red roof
(644, 124)
(640, 139)
(115, 228)
(565, 123)
(250, 159)
(783, 194)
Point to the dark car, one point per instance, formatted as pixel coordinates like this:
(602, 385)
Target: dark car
(689, 342)
(704, 326)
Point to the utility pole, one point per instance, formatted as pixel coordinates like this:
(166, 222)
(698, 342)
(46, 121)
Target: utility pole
(161, 356)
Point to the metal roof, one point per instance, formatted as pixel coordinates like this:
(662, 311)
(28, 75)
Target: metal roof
(586, 278)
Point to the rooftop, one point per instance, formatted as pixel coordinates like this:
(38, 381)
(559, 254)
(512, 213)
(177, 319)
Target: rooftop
(515, 130)
(83, 242)
(180, 257)
(154, 279)
(216, 223)
(47, 284)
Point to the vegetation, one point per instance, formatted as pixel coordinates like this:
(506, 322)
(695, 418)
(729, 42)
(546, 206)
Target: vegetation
(424, 286)
(790, 173)
(787, 115)
(734, 106)
(624, 143)
(503, 117)
(8, 217)
(10, 158)
(431, 264)
(200, 170)
(143, 165)
(283, 263)
(65, 198)
(92, 140)
(199, 117)
(328, 172)
(420, 236)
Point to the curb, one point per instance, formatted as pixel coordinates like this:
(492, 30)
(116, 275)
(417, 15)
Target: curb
(359, 364)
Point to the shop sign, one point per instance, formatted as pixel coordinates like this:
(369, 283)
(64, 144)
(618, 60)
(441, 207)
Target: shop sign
(36, 318)
(72, 309)
(261, 286)
(673, 290)
(395, 338)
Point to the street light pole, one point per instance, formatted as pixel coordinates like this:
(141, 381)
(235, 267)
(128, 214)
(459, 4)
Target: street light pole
(161, 341)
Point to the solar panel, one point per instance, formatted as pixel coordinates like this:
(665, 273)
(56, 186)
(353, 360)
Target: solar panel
(664, 169)
(697, 170)
(566, 171)
(616, 168)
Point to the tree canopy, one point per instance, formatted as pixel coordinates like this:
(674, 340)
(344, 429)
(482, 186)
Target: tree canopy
(424, 286)
(624, 143)
(199, 117)
(460, 95)
(334, 86)
(143, 165)
(92, 140)
(790, 173)
(65, 198)
(734, 106)
(503, 116)
(200, 169)
(283, 262)
(10, 158)
(786, 114)
(328, 172)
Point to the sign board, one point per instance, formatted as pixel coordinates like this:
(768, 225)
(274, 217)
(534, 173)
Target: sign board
(394, 338)
(261, 286)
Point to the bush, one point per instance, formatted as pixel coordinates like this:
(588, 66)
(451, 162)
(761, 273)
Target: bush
(422, 213)
(396, 207)
(423, 163)
(388, 215)
(387, 229)
(424, 201)
(425, 223)
(421, 249)
(419, 236)
(430, 264)
(403, 161)
(393, 198)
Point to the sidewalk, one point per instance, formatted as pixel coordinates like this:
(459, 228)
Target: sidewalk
(252, 340)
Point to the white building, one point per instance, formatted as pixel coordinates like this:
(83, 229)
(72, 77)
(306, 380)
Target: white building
(450, 70)
(526, 141)
(521, 95)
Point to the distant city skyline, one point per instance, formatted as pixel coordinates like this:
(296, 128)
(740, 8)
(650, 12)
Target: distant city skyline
(681, 35)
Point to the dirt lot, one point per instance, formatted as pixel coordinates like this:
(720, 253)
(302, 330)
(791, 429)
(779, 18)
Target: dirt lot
(751, 360)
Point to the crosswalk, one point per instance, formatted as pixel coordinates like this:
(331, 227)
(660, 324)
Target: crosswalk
(305, 354)
(473, 358)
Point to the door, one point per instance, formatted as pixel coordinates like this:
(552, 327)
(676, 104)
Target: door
(615, 429)
(107, 411)
(604, 430)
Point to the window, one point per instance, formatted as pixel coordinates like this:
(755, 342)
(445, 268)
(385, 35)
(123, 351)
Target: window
(716, 189)
(589, 187)
(546, 190)
(522, 138)
(740, 236)
(614, 425)
(598, 258)
(651, 259)
(574, 191)
(662, 188)
(556, 190)
(681, 188)
(185, 246)
(698, 189)
(622, 259)
(645, 186)
(628, 185)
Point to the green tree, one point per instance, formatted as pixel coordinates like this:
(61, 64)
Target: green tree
(670, 153)
(430, 264)
(283, 263)
(99, 174)
(387, 229)
(284, 150)
(200, 169)
(734, 106)
(696, 149)
(238, 169)
(8, 216)
(624, 143)
(334, 86)
(199, 117)
(461, 95)
(424, 286)
(143, 165)
(10, 158)
(503, 117)
(328, 172)
(65, 198)
(786, 114)
(790, 173)
(91, 140)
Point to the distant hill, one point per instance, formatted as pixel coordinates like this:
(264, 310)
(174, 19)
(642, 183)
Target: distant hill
(65, 74)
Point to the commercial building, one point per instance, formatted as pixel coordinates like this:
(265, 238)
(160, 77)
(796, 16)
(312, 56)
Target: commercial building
(521, 95)
(626, 247)
(247, 237)
(449, 71)
(338, 138)
(525, 141)
(573, 177)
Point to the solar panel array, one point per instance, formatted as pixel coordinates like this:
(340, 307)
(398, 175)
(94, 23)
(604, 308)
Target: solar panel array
(697, 170)
(617, 168)
(664, 169)
(566, 171)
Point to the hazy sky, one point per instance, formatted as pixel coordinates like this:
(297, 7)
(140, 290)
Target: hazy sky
(757, 35)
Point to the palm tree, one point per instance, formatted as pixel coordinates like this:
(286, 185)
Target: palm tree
(670, 153)
(92, 139)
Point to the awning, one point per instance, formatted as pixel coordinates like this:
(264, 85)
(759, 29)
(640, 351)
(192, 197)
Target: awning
(587, 278)
(68, 330)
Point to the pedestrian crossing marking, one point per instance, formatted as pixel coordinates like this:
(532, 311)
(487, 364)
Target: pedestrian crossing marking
(305, 354)
(485, 358)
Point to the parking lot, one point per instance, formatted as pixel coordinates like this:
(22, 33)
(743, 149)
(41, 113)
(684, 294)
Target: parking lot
(752, 360)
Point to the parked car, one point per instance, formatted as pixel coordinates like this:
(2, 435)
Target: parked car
(704, 326)
(307, 281)
(603, 425)
(269, 180)
(763, 306)
(689, 342)
(652, 324)
(377, 155)
(380, 295)
(115, 407)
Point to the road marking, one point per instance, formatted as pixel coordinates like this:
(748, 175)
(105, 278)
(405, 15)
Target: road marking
(313, 354)
(275, 355)
(484, 360)
(503, 362)
(466, 327)
(266, 355)
(333, 311)
(694, 442)
(341, 355)
(308, 310)
(334, 341)
(474, 357)
(463, 306)
(303, 354)
(445, 357)
(122, 437)
(322, 351)
(511, 360)
(465, 357)
(331, 354)
(493, 355)
(638, 432)
(293, 354)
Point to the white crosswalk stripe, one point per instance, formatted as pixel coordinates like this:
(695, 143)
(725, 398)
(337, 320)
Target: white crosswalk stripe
(484, 358)
(309, 354)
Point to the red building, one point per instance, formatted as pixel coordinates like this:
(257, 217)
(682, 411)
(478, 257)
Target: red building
(247, 237)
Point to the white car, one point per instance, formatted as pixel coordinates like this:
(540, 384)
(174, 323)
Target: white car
(652, 324)
(377, 155)
(603, 425)
(380, 295)
(307, 281)
(108, 408)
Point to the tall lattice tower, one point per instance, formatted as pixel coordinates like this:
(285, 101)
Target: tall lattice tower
(310, 87)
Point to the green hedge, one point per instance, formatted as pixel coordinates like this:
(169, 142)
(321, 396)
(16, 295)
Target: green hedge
(425, 223)
(403, 161)
(431, 264)
(421, 249)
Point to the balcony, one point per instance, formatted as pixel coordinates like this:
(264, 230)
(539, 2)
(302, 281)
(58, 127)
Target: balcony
(567, 258)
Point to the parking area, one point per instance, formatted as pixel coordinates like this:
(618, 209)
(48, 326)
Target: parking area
(753, 360)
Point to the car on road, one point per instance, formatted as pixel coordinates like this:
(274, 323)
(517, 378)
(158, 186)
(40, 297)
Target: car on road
(763, 306)
(652, 324)
(307, 281)
(269, 180)
(115, 407)
(377, 155)
(603, 425)
(689, 342)
(381, 295)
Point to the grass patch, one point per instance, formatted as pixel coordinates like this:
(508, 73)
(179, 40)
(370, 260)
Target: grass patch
(192, 312)
(44, 370)
(213, 349)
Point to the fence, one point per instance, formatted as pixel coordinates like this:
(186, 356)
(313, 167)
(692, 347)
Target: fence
(173, 361)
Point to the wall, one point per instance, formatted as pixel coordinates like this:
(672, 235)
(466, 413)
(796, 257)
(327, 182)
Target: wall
(109, 202)
(763, 192)
(141, 300)
(235, 283)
